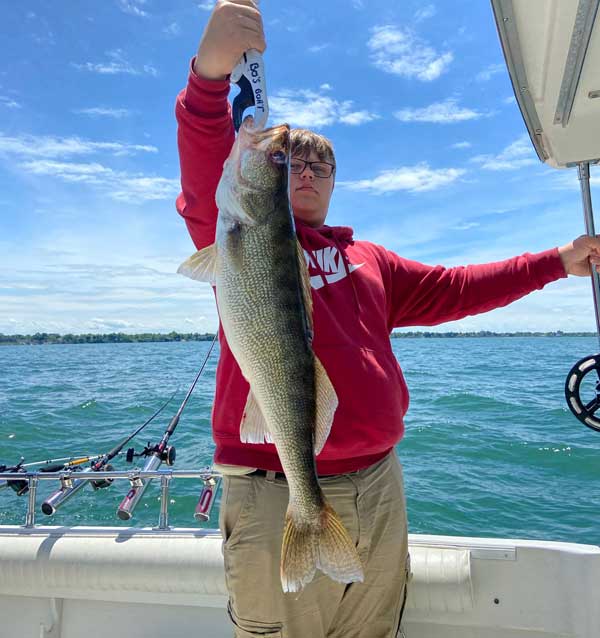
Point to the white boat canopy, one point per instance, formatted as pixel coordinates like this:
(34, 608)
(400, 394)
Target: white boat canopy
(552, 50)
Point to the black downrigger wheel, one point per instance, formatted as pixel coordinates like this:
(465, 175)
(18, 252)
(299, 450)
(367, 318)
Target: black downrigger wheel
(584, 411)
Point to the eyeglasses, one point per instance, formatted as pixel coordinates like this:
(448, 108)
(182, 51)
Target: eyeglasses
(319, 169)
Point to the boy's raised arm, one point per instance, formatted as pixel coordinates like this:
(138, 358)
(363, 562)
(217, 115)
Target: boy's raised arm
(205, 131)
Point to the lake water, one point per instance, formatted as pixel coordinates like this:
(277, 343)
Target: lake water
(490, 448)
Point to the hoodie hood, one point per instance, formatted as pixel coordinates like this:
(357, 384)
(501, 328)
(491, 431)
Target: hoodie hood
(340, 235)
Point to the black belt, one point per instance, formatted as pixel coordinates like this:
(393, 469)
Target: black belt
(281, 475)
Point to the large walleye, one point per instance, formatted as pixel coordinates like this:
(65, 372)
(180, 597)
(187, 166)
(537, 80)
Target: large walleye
(264, 300)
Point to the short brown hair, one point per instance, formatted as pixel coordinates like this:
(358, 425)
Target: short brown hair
(304, 141)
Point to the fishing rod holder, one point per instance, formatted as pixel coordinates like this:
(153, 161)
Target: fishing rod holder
(135, 480)
(66, 481)
(74, 480)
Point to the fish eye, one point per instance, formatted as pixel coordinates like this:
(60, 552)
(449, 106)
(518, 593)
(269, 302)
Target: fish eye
(279, 157)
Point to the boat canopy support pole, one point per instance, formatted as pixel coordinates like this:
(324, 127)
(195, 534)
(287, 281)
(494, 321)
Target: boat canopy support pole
(583, 170)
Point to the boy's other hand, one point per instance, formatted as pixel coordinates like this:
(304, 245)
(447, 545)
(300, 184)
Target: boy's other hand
(234, 26)
(580, 254)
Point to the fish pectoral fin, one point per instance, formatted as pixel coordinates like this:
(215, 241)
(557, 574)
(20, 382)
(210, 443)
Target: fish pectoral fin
(326, 405)
(253, 428)
(201, 266)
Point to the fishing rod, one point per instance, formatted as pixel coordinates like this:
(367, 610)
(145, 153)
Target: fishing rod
(157, 454)
(70, 486)
(20, 486)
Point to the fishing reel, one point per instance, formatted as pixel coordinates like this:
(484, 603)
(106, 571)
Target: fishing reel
(584, 411)
(19, 486)
(167, 456)
(102, 483)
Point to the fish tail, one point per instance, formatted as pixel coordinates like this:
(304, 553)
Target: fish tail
(326, 545)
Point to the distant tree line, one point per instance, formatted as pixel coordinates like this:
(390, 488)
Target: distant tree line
(487, 333)
(113, 337)
(150, 337)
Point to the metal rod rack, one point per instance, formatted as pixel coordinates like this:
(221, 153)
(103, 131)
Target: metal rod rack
(207, 477)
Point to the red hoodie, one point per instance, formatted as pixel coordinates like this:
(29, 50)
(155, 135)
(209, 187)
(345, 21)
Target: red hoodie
(361, 291)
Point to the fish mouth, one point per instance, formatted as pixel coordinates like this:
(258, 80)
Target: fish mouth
(278, 136)
(275, 142)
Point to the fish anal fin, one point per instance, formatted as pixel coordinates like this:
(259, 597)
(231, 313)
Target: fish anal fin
(201, 266)
(326, 405)
(253, 427)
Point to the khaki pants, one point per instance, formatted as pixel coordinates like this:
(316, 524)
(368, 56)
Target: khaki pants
(371, 504)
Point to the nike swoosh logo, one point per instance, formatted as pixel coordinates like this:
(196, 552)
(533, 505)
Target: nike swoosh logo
(316, 281)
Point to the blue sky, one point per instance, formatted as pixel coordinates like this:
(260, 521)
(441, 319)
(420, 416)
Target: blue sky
(433, 158)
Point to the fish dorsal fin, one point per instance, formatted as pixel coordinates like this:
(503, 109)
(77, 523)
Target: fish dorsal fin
(326, 405)
(253, 427)
(305, 287)
(201, 266)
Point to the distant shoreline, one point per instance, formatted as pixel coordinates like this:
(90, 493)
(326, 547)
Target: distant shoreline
(46, 338)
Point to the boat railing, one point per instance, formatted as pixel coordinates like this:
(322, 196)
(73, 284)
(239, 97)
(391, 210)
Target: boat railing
(72, 480)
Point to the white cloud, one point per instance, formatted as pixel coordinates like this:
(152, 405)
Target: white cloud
(132, 7)
(516, 155)
(426, 12)
(460, 145)
(510, 100)
(118, 64)
(414, 179)
(308, 109)
(208, 5)
(100, 111)
(357, 117)
(92, 173)
(401, 52)
(101, 324)
(52, 147)
(120, 186)
(81, 293)
(9, 103)
(172, 29)
(141, 188)
(317, 48)
(568, 179)
(465, 226)
(446, 112)
(358, 4)
(489, 72)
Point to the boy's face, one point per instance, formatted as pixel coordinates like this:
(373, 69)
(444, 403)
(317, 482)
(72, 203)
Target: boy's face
(310, 194)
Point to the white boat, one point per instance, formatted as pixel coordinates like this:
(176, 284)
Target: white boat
(93, 582)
